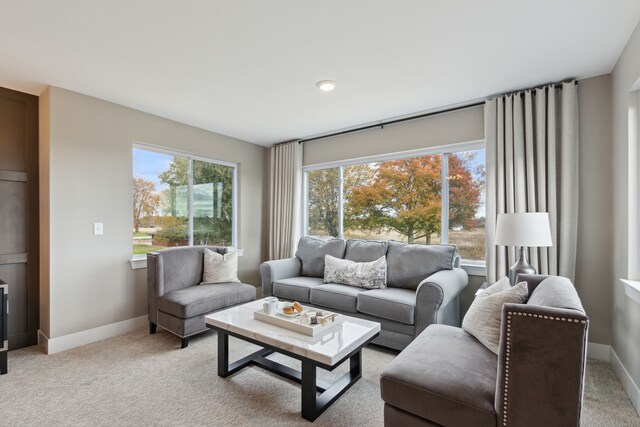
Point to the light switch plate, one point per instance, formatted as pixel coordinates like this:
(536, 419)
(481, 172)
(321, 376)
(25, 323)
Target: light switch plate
(98, 228)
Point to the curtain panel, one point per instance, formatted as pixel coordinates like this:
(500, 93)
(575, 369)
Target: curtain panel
(532, 166)
(285, 186)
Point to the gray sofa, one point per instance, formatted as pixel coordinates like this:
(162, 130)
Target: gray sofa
(445, 377)
(424, 285)
(177, 300)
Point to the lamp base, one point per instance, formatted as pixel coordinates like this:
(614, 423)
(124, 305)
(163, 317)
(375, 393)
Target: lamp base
(520, 267)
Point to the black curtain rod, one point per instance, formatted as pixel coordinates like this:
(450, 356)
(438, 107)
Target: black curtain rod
(391, 122)
(419, 116)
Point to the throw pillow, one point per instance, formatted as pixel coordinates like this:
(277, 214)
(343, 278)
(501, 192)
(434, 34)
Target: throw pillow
(220, 268)
(484, 318)
(368, 275)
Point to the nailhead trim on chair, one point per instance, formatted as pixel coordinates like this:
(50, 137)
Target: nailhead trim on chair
(506, 363)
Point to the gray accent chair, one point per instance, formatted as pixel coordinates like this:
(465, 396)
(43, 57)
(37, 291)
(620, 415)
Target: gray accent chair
(177, 300)
(445, 377)
(424, 285)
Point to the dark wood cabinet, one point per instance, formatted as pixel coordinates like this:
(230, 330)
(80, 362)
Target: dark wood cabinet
(19, 227)
(4, 331)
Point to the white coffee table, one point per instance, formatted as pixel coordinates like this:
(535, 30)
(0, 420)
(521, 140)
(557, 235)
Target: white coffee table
(327, 351)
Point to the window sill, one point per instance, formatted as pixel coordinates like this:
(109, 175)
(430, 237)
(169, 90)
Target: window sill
(474, 268)
(138, 263)
(632, 289)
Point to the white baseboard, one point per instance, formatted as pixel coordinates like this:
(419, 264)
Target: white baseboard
(627, 382)
(66, 342)
(599, 351)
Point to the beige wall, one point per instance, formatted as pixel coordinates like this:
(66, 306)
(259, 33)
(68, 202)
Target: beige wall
(594, 260)
(90, 168)
(626, 312)
(442, 129)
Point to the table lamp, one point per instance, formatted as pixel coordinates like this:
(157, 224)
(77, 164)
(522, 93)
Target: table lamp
(523, 230)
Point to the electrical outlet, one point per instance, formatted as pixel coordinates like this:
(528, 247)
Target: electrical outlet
(98, 228)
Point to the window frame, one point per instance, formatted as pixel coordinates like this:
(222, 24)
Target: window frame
(135, 259)
(477, 266)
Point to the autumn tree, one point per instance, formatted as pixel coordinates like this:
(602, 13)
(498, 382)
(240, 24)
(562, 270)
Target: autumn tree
(405, 196)
(145, 200)
(322, 200)
(465, 188)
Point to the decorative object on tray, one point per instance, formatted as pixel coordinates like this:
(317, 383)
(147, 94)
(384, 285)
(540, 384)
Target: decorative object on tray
(296, 317)
(270, 305)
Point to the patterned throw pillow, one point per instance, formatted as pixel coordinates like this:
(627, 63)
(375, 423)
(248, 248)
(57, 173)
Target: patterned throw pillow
(368, 275)
(484, 318)
(220, 268)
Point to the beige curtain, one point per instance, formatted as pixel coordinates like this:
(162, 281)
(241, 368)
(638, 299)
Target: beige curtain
(532, 166)
(284, 207)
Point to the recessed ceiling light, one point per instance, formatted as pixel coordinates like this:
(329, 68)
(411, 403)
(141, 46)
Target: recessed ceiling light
(326, 85)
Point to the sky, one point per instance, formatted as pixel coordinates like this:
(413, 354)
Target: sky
(149, 164)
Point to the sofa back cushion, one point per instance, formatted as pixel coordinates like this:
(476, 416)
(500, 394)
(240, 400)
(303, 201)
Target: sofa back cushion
(183, 266)
(311, 252)
(365, 250)
(408, 265)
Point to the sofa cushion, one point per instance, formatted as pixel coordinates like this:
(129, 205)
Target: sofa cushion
(311, 252)
(365, 250)
(445, 376)
(408, 265)
(367, 275)
(198, 300)
(296, 288)
(336, 296)
(391, 303)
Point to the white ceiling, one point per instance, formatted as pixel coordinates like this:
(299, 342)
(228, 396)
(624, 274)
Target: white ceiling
(248, 68)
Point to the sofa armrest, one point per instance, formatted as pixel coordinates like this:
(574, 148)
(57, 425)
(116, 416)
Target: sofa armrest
(541, 365)
(271, 271)
(436, 292)
(155, 284)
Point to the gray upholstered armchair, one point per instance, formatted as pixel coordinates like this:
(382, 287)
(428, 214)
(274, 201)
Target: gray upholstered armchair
(176, 298)
(445, 377)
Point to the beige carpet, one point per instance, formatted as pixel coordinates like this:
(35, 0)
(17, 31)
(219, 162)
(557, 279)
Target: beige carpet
(142, 379)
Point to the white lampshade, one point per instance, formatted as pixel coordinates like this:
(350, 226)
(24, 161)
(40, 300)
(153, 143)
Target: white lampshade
(523, 229)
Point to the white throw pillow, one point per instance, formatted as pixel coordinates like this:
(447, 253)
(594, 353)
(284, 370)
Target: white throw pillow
(368, 275)
(220, 268)
(484, 318)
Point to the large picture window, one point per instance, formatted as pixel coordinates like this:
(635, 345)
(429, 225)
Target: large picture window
(435, 197)
(181, 200)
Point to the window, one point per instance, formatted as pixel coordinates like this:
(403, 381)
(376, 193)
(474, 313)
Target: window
(434, 197)
(180, 200)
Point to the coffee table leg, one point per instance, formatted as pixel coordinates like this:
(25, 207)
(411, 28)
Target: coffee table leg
(309, 409)
(312, 405)
(223, 354)
(355, 366)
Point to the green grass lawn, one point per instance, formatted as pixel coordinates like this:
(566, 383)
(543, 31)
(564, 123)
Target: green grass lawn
(141, 234)
(143, 249)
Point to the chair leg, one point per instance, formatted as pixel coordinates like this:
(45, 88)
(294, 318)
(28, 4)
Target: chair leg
(152, 328)
(185, 342)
